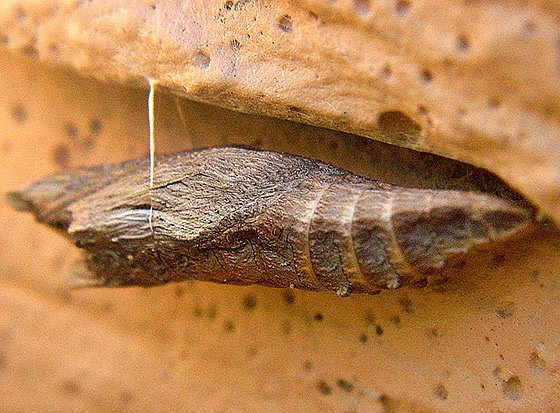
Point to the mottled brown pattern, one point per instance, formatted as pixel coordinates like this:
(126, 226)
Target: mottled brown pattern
(244, 216)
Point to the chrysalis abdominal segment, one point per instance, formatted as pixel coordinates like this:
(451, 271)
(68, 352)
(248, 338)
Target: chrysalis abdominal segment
(243, 216)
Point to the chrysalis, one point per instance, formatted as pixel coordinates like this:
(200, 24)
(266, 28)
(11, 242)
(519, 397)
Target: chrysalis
(244, 216)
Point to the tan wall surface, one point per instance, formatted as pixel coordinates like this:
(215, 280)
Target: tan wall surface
(476, 81)
(487, 339)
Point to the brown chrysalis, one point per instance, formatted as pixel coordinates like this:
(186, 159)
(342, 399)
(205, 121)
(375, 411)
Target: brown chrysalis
(244, 216)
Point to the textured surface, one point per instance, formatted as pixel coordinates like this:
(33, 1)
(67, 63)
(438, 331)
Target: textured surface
(247, 216)
(477, 81)
(484, 340)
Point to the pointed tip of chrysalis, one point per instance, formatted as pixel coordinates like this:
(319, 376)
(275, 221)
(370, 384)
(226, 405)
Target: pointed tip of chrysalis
(37, 196)
(43, 199)
(502, 217)
(454, 222)
(18, 201)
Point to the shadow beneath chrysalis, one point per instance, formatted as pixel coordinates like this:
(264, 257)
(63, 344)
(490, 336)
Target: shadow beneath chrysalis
(362, 156)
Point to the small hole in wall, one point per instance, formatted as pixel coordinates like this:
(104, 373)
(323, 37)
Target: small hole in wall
(54, 49)
(249, 302)
(229, 327)
(96, 126)
(494, 104)
(289, 297)
(462, 44)
(386, 73)
(61, 156)
(402, 7)
(513, 388)
(19, 113)
(345, 385)
(285, 23)
(72, 130)
(389, 403)
(127, 397)
(212, 312)
(201, 59)
(287, 328)
(70, 387)
(425, 113)
(536, 362)
(362, 7)
(448, 63)
(235, 45)
(506, 309)
(251, 352)
(324, 388)
(20, 14)
(426, 77)
(31, 51)
(308, 365)
(398, 127)
(179, 292)
(441, 392)
(529, 28)
(407, 305)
